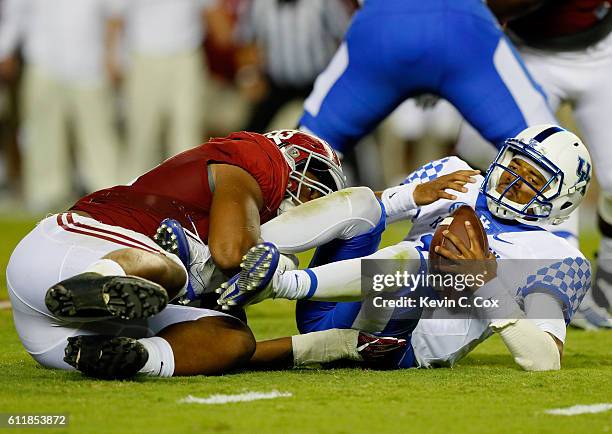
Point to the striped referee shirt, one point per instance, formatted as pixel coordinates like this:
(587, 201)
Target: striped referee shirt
(297, 37)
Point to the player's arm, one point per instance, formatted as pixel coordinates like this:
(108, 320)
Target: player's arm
(506, 10)
(532, 348)
(402, 201)
(234, 215)
(340, 215)
(326, 346)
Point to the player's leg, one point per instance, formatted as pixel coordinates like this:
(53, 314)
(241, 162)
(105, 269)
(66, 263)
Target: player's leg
(186, 102)
(145, 100)
(357, 89)
(202, 342)
(340, 215)
(476, 150)
(487, 81)
(262, 267)
(106, 271)
(57, 249)
(590, 113)
(97, 137)
(46, 152)
(261, 277)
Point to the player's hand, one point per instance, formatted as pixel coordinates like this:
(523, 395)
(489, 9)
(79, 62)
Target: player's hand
(481, 262)
(380, 352)
(431, 191)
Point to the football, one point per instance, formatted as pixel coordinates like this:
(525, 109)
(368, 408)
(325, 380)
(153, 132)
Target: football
(456, 225)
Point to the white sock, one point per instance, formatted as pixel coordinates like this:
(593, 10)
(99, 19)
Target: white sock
(325, 346)
(106, 267)
(338, 281)
(292, 285)
(161, 357)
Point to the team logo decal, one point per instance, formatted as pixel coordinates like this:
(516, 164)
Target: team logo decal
(583, 171)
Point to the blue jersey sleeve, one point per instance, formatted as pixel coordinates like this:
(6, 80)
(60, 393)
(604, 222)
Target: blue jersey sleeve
(568, 280)
(435, 169)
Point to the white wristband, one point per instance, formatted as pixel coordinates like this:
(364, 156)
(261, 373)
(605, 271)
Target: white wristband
(399, 201)
(325, 346)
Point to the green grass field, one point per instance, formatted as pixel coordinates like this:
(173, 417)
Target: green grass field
(484, 393)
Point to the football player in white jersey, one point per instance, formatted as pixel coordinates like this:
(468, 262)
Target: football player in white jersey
(538, 178)
(567, 47)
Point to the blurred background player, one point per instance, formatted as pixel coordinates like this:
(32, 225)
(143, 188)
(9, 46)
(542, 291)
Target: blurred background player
(394, 50)
(289, 43)
(9, 155)
(567, 46)
(421, 129)
(166, 78)
(65, 82)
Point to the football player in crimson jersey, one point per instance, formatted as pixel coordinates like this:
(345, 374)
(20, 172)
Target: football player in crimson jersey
(107, 316)
(567, 46)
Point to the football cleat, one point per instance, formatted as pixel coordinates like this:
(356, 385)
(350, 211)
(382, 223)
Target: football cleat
(380, 352)
(193, 253)
(106, 357)
(254, 281)
(88, 296)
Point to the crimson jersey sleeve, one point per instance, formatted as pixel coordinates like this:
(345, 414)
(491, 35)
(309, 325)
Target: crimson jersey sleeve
(259, 157)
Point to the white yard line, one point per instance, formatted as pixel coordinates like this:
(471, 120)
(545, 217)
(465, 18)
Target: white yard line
(242, 397)
(580, 409)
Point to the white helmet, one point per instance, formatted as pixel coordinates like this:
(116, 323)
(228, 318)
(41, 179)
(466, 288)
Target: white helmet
(561, 158)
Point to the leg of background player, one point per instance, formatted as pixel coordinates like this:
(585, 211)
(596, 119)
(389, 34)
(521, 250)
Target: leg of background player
(590, 116)
(602, 289)
(479, 73)
(509, 100)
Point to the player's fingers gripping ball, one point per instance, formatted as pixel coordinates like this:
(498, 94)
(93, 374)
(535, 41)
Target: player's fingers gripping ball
(460, 247)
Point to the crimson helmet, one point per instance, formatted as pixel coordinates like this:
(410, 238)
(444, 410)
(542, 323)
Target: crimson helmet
(307, 153)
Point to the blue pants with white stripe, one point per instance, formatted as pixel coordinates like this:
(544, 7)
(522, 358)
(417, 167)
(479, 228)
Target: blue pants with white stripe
(396, 49)
(314, 316)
